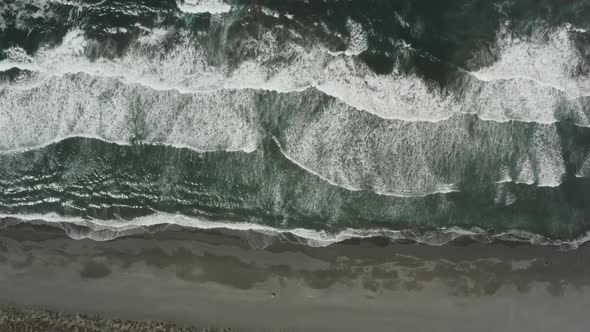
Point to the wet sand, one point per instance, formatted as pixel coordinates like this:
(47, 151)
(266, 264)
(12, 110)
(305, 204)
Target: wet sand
(212, 280)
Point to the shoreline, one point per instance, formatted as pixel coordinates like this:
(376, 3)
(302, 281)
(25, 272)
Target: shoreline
(261, 236)
(210, 279)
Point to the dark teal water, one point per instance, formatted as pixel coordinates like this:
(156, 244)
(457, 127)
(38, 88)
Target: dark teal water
(314, 114)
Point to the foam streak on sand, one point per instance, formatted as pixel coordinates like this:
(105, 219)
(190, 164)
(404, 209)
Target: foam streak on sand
(106, 230)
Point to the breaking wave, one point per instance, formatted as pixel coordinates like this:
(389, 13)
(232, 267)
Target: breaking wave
(291, 119)
(546, 93)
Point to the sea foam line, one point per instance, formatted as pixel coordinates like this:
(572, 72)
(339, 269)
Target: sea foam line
(106, 230)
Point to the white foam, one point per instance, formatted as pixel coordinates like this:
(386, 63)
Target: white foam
(533, 77)
(357, 42)
(548, 58)
(60, 105)
(542, 163)
(380, 191)
(186, 69)
(314, 238)
(516, 99)
(106, 230)
(48, 217)
(82, 105)
(504, 175)
(525, 171)
(270, 12)
(570, 27)
(584, 170)
(153, 37)
(341, 145)
(536, 79)
(548, 157)
(393, 96)
(21, 12)
(288, 66)
(401, 20)
(203, 6)
(356, 151)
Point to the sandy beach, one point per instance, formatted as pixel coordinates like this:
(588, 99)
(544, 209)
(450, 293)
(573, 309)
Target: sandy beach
(211, 280)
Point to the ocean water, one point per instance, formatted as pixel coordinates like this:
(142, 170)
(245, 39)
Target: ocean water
(309, 121)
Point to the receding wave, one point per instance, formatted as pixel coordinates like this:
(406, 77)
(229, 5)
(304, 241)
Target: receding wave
(106, 230)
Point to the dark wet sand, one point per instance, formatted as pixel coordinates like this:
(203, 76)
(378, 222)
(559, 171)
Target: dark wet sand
(210, 280)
